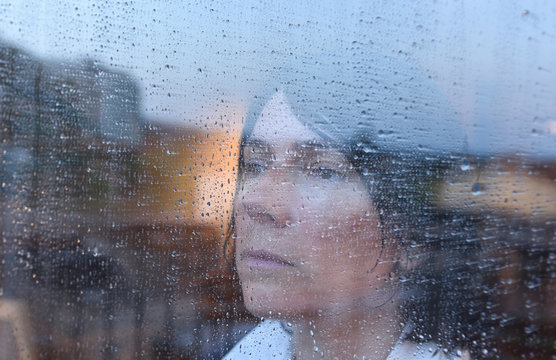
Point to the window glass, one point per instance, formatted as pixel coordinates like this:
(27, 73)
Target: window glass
(241, 180)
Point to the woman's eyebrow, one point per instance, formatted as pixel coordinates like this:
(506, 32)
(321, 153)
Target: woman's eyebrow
(256, 143)
(312, 144)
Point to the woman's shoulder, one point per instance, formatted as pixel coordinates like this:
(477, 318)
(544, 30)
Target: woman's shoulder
(268, 340)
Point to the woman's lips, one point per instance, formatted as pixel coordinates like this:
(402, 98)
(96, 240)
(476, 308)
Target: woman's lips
(263, 259)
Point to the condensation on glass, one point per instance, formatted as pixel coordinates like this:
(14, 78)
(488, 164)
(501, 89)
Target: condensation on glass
(273, 180)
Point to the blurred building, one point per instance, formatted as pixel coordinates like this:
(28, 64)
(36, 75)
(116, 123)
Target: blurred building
(514, 202)
(69, 135)
(112, 229)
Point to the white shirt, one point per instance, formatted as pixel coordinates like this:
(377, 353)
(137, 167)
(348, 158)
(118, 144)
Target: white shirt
(270, 341)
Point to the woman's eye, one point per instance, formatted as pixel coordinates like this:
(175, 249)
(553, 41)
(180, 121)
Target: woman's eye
(325, 173)
(254, 168)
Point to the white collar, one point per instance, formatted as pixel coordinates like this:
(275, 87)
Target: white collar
(271, 340)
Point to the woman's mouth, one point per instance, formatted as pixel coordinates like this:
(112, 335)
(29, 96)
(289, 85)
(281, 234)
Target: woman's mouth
(263, 259)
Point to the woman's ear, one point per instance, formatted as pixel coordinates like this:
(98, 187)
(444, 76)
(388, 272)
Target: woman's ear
(411, 257)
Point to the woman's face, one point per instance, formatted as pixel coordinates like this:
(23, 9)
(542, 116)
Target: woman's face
(308, 235)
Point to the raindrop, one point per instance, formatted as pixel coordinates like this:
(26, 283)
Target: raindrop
(476, 189)
(465, 165)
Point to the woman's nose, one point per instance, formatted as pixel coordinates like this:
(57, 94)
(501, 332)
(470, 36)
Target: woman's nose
(269, 199)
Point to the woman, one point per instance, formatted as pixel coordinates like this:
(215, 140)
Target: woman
(335, 239)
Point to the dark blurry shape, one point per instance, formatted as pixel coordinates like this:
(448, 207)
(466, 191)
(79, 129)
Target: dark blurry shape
(514, 200)
(69, 134)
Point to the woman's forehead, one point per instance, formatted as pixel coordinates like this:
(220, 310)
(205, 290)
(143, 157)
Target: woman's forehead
(278, 125)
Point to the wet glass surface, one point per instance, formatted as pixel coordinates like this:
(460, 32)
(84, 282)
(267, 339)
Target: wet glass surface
(316, 180)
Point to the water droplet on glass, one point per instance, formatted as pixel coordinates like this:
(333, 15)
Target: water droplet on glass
(476, 189)
(465, 165)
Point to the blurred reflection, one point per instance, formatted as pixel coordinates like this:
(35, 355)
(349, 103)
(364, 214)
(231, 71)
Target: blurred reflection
(513, 200)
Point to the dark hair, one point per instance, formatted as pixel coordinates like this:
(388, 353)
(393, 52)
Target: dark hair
(445, 295)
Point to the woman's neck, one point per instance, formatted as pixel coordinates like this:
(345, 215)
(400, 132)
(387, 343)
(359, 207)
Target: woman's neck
(360, 333)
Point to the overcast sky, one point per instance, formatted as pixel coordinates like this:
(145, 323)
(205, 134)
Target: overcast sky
(199, 61)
